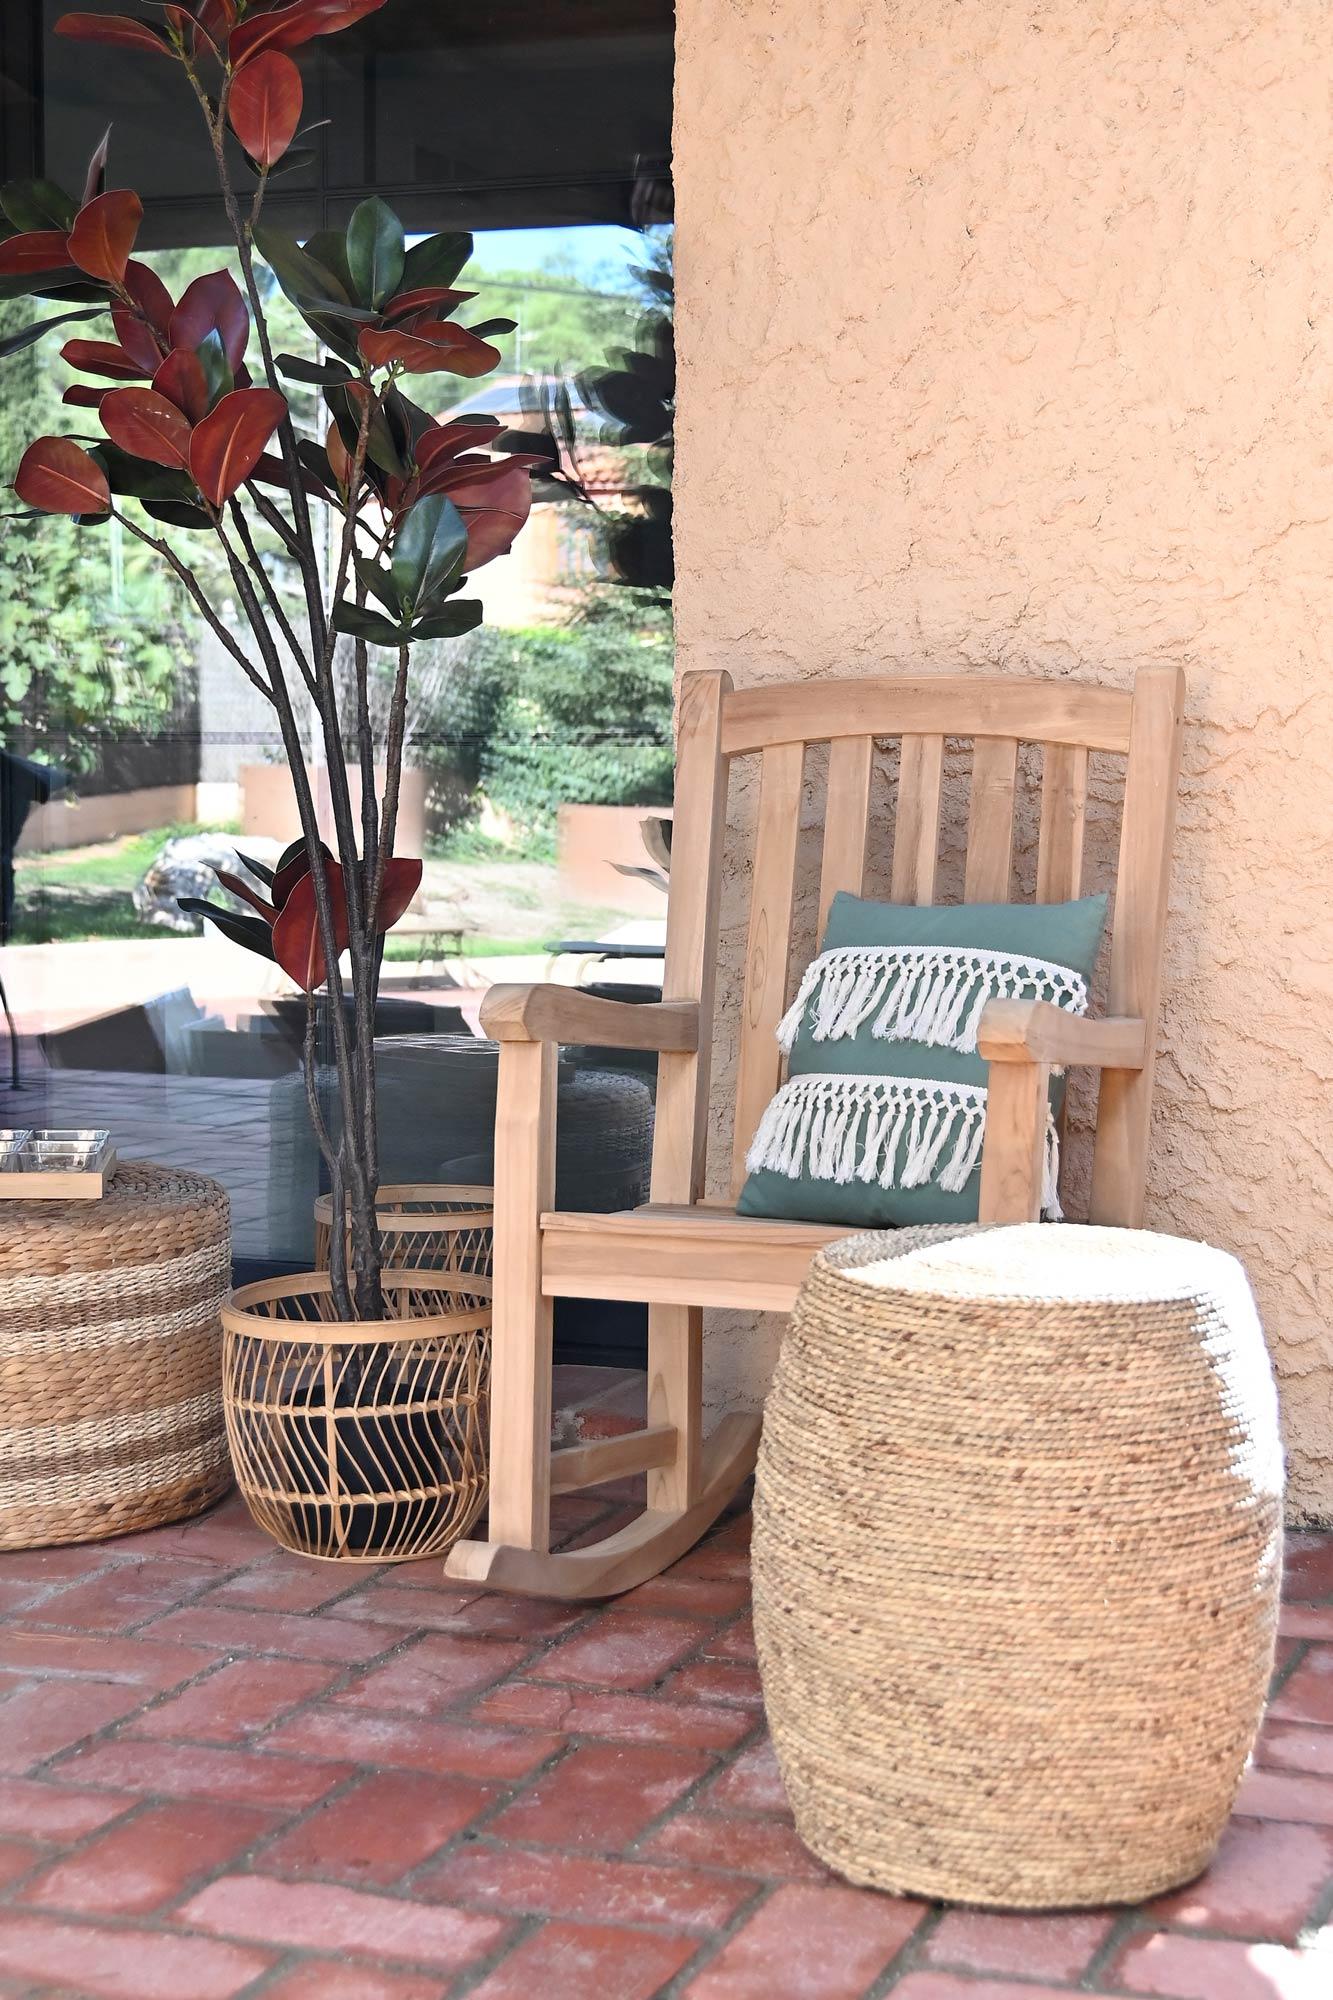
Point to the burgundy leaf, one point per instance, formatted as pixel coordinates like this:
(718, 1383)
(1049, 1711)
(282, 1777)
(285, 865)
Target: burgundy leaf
(94, 178)
(473, 472)
(436, 298)
(58, 477)
(83, 396)
(494, 512)
(121, 29)
(402, 879)
(288, 27)
(182, 381)
(265, 106)
(228, 443)
(103, 234)
(146, 425)
(102, 357)
(141, 328)
(289, 873)
(246, 894)
(34, 250)
(438, 347)
(296, 941)
(212, 303)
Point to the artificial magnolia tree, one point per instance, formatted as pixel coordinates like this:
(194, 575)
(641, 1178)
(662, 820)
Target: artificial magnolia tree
(189, 441)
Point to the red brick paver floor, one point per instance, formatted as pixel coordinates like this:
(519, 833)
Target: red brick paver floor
(226, 1772)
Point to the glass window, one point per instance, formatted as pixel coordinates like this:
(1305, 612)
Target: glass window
(135, 758)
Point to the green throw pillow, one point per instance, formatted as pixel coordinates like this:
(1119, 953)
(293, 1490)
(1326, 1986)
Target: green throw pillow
(881, 1120)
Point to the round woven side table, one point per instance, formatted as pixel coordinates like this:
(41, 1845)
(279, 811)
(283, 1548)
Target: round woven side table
(111, 1358)
(1017, 1551)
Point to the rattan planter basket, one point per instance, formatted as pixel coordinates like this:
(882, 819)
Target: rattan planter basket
(424, 1226)
(110, 1350)
(1016, 1560)
(360, 1442)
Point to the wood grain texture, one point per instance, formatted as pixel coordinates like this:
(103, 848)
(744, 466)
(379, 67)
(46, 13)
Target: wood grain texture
(768, 946)
(990, 820)
(1064, 798)
(1033, 710)
(846, 821)
(916, 833)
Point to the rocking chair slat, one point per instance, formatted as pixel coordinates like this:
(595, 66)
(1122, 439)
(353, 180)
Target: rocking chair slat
(916, 837)
(768, 946)
(990, 824)
(1064, 798)
(846, 821)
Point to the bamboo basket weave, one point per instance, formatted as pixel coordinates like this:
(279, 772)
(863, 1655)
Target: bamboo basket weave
(1016, 1560)
(424, 1227)
(110, 1358)
(366, 1441)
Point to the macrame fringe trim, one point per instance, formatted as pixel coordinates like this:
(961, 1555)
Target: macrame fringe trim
(931, 994)
(893, 1131)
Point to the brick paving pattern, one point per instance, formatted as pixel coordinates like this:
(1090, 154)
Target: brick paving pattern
(226, 1772)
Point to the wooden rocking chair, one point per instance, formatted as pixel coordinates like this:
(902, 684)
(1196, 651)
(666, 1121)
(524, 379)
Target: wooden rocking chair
(680, 1254)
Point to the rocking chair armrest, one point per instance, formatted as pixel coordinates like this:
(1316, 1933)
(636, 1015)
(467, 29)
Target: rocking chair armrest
(1036, 1031)
(565, 1014)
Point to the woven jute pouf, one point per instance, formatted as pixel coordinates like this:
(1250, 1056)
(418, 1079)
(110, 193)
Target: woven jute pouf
(111, 1358)
(1017, 1550)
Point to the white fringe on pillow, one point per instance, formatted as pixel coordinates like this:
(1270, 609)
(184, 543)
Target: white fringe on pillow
(845, 1128)
(924, 993)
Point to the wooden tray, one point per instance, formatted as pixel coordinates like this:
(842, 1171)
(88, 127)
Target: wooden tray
(50, 1164)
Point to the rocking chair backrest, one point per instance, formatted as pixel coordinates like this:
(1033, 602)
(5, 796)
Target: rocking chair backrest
(718, 723)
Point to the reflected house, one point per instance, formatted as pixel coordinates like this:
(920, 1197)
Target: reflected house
(557, 556)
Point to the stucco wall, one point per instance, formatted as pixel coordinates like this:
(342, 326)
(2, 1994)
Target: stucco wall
(1006, 344)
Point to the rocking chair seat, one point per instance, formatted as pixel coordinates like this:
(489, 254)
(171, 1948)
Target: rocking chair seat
(669, 1253)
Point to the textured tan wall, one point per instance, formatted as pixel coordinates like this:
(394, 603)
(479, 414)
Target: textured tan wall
(1005, 341)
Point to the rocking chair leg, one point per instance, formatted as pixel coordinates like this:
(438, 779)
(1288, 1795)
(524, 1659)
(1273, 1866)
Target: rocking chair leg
(675, 1397)
(1014, 1158)
(520, 1506)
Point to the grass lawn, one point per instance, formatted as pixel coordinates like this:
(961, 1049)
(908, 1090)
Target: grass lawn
(502, 907)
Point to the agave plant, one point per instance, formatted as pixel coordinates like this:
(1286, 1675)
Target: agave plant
(189, 441)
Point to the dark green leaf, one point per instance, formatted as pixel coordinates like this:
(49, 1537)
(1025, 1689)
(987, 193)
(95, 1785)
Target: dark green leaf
(368, 625)
(428, 550)
(487, 327)
(252, 932)
(301, 276)
(316, 461)
(437, 260)
(335, 334)
(375, 251)
(329, 248)
(178, 513)
(217, 369)
(36, 284)
(407, 420)
(139, 478)
(451, 622)
(322, 373)
(256, 868)
(37, 205)
(381, 445)
(77, 291)
(28, 336)
(378, 582)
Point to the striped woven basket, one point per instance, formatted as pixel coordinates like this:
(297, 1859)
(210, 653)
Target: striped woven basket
(1017, 1542)
(110, 1358)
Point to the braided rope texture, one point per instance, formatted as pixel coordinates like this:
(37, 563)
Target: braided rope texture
(1017, 1552)
(110, 1358)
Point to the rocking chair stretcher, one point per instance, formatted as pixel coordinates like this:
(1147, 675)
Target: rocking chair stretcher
(681, 1253)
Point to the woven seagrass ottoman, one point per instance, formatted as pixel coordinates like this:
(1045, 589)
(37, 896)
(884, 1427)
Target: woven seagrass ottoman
(1017, 1550)
(111, 1358)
